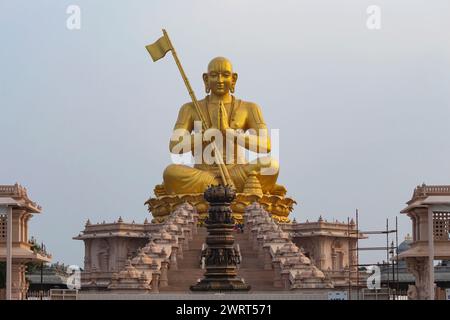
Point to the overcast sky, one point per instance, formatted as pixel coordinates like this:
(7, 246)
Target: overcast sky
(86, 115)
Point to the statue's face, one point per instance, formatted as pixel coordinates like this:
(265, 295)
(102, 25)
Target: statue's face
(220, 78)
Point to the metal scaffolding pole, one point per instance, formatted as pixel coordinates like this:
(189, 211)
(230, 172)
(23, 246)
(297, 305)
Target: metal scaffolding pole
(388, 248)
(387, 256)
(396, 255)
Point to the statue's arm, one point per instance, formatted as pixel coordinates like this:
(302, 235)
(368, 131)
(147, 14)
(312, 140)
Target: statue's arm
(257, 135)
(184, 124)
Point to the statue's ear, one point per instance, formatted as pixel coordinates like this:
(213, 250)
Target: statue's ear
(205, 80)
(234, 77)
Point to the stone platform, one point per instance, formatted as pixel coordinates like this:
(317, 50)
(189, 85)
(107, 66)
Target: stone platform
(278, 206)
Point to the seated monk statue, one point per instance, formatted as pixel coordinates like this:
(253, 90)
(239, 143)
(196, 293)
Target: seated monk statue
(222, 111)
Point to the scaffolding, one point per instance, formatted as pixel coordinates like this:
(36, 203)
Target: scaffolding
(391, 264)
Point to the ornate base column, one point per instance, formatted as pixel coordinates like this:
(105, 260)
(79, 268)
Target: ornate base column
(220, 257)
(19, 286)
(419, 268)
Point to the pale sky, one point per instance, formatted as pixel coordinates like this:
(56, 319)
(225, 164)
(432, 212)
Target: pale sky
(86, 115)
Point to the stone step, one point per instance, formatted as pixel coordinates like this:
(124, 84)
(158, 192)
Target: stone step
(189, 271)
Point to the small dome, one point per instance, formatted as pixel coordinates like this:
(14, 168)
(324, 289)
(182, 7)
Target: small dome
(405, 245)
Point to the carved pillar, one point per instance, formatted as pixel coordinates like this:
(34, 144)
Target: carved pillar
(18, 283)
(22, 219)
(221, 258)
(87, 255)
(419, 268)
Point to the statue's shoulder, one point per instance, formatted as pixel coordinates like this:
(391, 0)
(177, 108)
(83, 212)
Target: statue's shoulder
(189, 106)
(250, 106)
(253, 113)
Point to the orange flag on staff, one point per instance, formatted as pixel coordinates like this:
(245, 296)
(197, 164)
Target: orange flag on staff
(159, 49)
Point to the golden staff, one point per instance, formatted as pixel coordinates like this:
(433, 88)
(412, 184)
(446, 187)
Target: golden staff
(157, 51)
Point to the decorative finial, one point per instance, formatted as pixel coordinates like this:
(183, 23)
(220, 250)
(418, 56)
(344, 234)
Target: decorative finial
(320, 219)
(219, 194)
(88, 223)
(252, 185)
(120, 220)
(352, 222)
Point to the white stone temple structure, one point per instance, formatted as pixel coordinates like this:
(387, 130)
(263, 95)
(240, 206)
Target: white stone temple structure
(14, 198)
(150, 258)
(331, 245)
(429, 211)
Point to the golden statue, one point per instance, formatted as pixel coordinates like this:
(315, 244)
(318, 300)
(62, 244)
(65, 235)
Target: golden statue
(235, 114)
(232, 118)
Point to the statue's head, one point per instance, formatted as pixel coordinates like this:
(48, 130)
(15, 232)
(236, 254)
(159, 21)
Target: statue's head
(220, 79)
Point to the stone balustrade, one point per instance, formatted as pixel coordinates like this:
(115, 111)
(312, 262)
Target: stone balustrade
(292, 269)
(147, 270)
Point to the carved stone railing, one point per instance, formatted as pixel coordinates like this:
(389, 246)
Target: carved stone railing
(292, 269)
(17, 191)
(425, 190)
(7, 189)
(148, 270)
